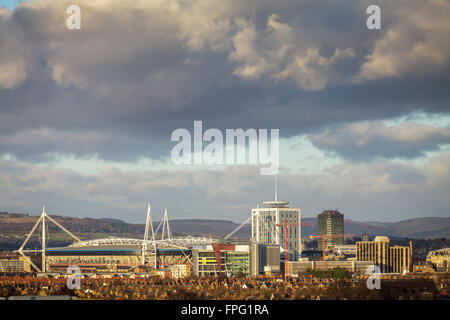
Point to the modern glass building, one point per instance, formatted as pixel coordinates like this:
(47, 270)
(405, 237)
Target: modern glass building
(217, 258)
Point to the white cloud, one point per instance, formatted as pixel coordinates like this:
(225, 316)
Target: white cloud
(173, 31)
(280, 54)
(313, 71)
(416, 43)
(374, 191)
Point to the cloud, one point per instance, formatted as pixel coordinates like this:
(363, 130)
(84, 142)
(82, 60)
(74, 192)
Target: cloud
(14, 52)
(31, 141)
(277, 53)
(373, 140)
(380, 191)
(48, 145)
(137, 70)
(312, 71)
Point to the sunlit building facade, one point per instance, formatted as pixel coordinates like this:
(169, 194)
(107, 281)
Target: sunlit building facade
(269, 226)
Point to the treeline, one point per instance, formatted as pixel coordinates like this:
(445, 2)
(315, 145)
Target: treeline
(429, 244)
(335, 273)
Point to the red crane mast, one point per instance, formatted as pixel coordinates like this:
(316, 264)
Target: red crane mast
(329, 236)
(286, 225)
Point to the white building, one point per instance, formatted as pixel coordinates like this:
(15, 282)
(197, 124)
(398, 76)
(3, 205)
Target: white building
(179, 271)
(347, 249)
(269, 225)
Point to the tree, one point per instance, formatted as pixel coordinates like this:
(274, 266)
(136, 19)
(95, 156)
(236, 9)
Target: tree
(339, 273)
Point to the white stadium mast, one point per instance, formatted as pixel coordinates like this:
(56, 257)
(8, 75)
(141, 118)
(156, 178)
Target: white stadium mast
(42, 220)
(148, 224)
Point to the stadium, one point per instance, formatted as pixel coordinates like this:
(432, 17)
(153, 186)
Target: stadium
(113, 255)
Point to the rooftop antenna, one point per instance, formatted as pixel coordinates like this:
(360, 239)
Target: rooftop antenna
(257, 222)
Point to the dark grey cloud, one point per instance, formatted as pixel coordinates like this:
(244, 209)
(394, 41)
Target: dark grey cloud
(135, 72)
(368, 141)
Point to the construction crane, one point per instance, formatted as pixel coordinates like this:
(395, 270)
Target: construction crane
(286, 225)
(329, 236)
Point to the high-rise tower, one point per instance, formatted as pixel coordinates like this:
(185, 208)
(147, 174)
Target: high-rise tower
(268, 225)
(330, 222)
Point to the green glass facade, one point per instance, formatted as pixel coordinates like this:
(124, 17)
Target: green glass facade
(237, 262)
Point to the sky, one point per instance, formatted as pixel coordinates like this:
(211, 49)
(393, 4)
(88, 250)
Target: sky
(86, 116)
(10, 4)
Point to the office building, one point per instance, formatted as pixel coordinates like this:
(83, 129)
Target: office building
(237, 262)
(264, 258)
(376, 251)
(204, 262)
(399, 259)
(269, 226)
(330, 223)
(390, 259)
(220, 258)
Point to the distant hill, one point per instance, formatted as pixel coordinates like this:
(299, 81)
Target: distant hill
(433, 227)
(14, 227)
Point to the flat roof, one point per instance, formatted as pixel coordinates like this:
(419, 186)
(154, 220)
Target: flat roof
(276, 204)
(129, 248)
(126, 248)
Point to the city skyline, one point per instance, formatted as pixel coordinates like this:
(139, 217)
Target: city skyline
(87, 115)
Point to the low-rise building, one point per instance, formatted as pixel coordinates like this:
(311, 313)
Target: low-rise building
(423, 267)
(298, 267)
(440, 259)
(19, 264)
(180, 270)
(228, 259)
